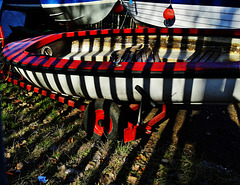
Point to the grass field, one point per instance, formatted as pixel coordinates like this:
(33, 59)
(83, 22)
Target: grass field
(193, 145)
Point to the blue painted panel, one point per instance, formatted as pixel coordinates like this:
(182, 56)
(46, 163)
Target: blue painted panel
(9, 18)
(22, 1)
(1, 1)
(26, 2)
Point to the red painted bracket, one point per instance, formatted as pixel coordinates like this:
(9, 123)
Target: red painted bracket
(132, 132)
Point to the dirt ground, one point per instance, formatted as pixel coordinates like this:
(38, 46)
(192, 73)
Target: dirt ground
(45, 143)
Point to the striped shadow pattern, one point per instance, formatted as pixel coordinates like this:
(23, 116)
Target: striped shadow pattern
(185, 80)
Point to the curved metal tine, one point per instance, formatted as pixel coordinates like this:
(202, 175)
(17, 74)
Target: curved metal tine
(156, 57)
(126, 55)
(119, 55)
(149, 55)
(113, 56)
(139, 56)
(133, 53)
(144, 56)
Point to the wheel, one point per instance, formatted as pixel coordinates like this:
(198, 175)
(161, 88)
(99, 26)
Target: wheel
(101, 119)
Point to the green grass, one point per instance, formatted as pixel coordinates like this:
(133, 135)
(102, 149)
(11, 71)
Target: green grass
(48, 137)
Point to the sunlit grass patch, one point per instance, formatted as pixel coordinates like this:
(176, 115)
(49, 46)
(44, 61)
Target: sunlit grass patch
(118, 157)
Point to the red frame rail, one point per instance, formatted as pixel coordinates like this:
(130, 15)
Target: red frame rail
(47, 93)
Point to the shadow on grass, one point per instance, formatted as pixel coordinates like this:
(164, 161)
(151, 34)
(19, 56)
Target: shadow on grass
(32, 163)
(208, 148)
(28, 133)
(163, 144)
(207, 137)
(155, 159)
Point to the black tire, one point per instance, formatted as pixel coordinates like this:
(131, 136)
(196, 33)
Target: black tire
(101, 120)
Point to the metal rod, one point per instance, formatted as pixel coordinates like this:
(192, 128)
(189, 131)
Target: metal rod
(140, 114)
